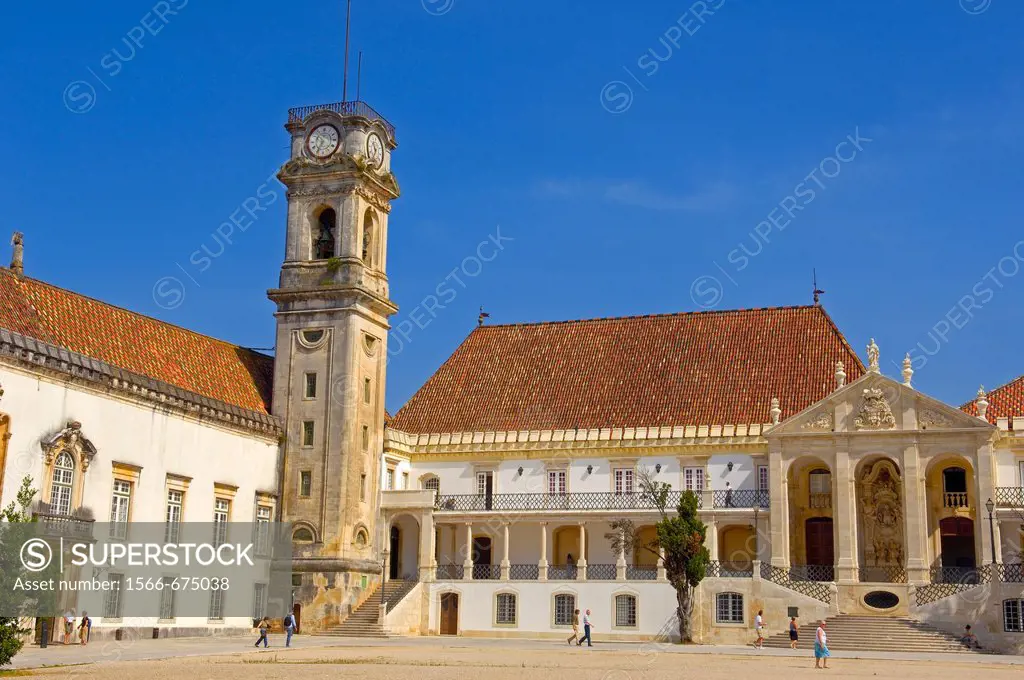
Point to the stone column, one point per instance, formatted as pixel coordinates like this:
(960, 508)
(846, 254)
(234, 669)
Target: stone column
(777, 501)
(844, 517)
(662, 576)
(506, 566)
(542, 564)
(711, 538)
(581, 563)
(620, 561)
(985, 480)
(426, 548)
(915, 516)
(467, 564)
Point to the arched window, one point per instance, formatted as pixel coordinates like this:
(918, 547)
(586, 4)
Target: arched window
(565, 605)
(369, 225)
(729, 608)
(323, 244)
(505, 609)
(625, 611)
(62, 484)
(432, 483)
(302, 535)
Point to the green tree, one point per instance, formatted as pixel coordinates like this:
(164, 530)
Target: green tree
(12, 633)
(680, 538)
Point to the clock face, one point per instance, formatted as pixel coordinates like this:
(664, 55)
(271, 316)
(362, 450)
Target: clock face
(374, 150)
(323, 141)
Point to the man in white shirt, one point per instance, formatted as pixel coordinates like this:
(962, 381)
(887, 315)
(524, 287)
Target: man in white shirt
(759, 628)
(586, 630)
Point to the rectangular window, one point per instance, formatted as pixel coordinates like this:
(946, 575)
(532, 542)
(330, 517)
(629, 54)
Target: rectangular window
(259, 600)
(120, 504)
(367, 390)
(505, 609)
(366, 438)
(820, 481)
(173, 527)
(1013, 616)
(484, 483)
(112, 598)
(311, 386)
(625, 611)
(693, 479)
(564, 606)
(556, 482)
(389, 479)
(624, 481)
(1022, 473)
(216, 605)
(729, 608)
(167, 599)
(263, 516)
(221, 512)
(762, 478)
(305, 483)
(307, 432)
(362, 487)
(63, 482)
(405, 480)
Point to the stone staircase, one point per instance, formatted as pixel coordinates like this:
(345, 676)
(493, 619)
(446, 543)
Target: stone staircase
(848, 633)
(363, 621)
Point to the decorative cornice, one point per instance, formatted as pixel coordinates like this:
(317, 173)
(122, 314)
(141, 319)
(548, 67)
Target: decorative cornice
(70, 437)
(66, 364)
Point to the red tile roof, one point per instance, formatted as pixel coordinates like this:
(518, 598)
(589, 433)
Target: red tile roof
(1005, 401)
(698, 368)
(136, 343)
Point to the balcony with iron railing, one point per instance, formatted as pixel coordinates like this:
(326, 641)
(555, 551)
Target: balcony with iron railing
(1009, 497)
(588, 500)
(353, 108)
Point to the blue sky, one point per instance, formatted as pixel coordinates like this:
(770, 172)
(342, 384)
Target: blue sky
(641, 160)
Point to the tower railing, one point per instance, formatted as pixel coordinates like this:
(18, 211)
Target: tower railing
(353, 108)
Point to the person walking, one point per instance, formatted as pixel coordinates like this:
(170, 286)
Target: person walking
(83, 629)
(575, 626)
(69, 627)
(821, 652)
(289, 629)
(759, 627)
(586, 631)
(794, 633)
(264, 627)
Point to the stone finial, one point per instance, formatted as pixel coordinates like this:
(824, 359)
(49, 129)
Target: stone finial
(18, 257)
(775, 411)
(908, 370)
(982, 403)
(873, 357)
(840, 374)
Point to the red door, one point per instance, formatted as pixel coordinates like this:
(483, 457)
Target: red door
(820, 542)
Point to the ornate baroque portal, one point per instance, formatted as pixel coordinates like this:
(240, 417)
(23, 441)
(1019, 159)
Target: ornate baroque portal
(880, 493)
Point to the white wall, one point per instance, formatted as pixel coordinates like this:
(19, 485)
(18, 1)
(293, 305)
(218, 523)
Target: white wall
(1008, 469)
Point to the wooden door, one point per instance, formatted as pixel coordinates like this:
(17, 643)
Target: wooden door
(449, 614)
(297, 617)
(396, 552)
(820, 542)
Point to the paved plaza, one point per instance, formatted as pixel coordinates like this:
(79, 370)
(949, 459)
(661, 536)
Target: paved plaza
(455, 658)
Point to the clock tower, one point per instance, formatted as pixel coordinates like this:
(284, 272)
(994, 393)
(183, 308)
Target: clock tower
(331, 350)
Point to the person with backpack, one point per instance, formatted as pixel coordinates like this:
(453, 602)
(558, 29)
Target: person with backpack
(289, 629)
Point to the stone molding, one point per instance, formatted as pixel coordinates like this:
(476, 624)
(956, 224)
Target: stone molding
(27, 351)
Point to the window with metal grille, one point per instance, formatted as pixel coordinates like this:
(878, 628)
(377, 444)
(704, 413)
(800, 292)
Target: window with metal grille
(624, 481)
(762, 478)
(167, 598)
(625, 611)
(729, 608)
(307, 432)
(564, 606)
(216, 605)
(305, 483)
(1013, 616)
(311, 386)
(221, 511)
(120, 504)
(175, 499)
(259, 600)
(389, 479)
(432, 483)
(62, 483)
(112, 599)
(820, 481)
(263, 514)
(505, 609)
(693, 479)
(556, 482)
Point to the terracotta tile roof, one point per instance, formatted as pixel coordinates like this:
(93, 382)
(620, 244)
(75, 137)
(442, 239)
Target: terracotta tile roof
(136, 343)
(698, 368)
(1005, 401)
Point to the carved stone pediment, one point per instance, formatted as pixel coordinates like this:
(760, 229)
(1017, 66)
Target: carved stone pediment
(69, 439)
(822, 422)
(930, 419)
(874, 413)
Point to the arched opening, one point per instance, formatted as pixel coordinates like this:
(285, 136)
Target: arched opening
(396, 551)
(811, 540)
(819, 542)
(449, 614)
(567, 548)
(369, 237)
(62, 484)
(880, 520)
(404, 539)
(483, 558)
(956, 535)
(302, 536)
(646, 553)
(949, 482)
(737, 548)
(326, 228)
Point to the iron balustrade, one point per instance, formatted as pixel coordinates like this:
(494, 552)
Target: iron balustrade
(718, 569)
(955, 499)
(641, 573)
(353, 108)
(1010, 496)
(741, 498)
(883, 574)
(947, 581)
(816, 589)
(601, 572)
(1010, 573)
(563, 572)
(524, 572)
(485, 572)
(812, 572)
(450, 572)
(820, 501)
(512, 502)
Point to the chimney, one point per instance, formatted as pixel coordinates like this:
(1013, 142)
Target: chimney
(18, 258)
